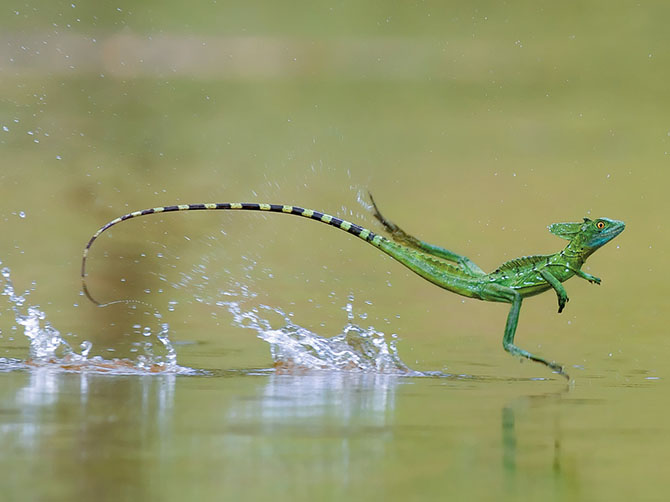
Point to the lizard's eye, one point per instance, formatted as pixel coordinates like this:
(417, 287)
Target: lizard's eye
(600, 225)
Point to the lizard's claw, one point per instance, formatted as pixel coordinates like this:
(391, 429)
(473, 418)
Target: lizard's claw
(558, 369)
(595, 280)
(561, 303)
(552, 365)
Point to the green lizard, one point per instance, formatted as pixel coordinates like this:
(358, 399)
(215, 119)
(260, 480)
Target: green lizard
(509, 283)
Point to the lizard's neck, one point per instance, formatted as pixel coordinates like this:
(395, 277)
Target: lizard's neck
(576, 253)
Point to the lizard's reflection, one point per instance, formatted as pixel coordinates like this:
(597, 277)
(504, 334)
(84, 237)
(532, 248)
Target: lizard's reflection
(540, 410)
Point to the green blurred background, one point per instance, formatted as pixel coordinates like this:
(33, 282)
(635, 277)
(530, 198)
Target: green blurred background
(475, 124)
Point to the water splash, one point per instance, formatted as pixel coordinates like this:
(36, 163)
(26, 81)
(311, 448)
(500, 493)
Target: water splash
(48, 348)
(294, 348)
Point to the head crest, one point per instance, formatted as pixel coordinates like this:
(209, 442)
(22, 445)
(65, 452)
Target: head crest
(566, 230)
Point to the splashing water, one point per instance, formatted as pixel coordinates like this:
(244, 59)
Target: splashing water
(49, 349)
(294, 348)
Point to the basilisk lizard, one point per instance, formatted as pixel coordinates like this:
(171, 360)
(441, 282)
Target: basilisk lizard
(510, 283)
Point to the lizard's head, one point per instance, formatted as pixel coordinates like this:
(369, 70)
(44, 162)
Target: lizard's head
(591, 234)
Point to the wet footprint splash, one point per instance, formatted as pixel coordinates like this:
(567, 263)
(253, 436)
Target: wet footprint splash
(295, 349)
(49, 348)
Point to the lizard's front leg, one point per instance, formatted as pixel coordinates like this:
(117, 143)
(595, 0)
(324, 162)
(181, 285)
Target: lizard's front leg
(579, 273)
(558, 287)
(591, 278)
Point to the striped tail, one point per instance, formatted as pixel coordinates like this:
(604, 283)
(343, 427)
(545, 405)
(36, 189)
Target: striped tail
(352, 228)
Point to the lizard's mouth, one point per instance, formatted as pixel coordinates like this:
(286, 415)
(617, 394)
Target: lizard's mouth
(615, 230)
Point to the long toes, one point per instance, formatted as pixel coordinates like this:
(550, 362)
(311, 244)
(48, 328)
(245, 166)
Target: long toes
(562, 372)
(558, 368)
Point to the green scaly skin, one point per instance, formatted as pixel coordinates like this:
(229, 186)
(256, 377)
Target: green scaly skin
(509, 283)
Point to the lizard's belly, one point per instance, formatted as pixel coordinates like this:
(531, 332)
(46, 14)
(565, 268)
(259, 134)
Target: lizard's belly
(531, 289)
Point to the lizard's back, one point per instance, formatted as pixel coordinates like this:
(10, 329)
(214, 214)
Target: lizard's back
(523, 274)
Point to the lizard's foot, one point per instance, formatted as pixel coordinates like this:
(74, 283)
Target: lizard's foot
(554, 366)
(388, 225)
(558, 368)
(591, 278)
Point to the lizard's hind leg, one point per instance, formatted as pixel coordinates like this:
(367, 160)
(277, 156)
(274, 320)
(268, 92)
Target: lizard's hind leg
(402, 237)
(497, 293)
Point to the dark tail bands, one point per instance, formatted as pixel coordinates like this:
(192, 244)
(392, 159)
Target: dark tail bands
(352, 228)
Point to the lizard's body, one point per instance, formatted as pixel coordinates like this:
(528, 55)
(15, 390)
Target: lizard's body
(510, 283)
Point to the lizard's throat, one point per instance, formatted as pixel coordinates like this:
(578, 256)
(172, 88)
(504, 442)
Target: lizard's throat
(574, 251)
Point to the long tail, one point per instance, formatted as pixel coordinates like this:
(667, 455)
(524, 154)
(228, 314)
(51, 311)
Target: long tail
(429, 267)
(352, 228)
